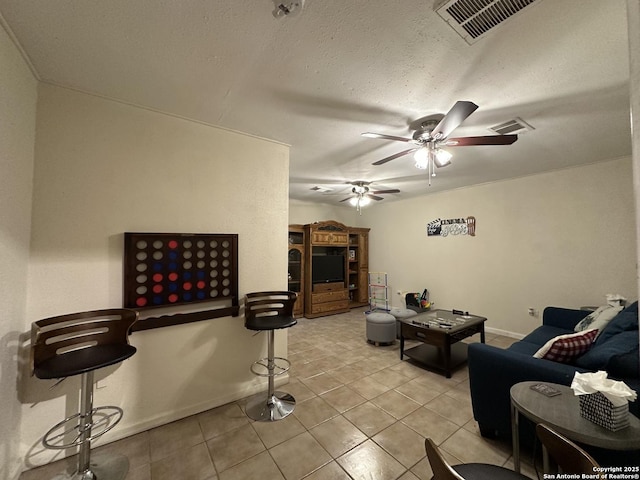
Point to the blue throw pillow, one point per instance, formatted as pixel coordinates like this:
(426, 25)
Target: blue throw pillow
(599, 356)
(626, 320)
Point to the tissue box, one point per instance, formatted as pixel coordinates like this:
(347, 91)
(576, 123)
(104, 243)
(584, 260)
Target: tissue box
(598, 409)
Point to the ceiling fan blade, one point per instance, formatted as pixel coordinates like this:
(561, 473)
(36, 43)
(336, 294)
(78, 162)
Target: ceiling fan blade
(378, 192)
(348, 198)
(486, 140)
(458, 114)
(394, 156)
(386, 137)
(374, 197)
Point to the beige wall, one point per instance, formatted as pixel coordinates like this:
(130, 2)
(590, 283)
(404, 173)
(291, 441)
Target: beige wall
(633, 19)
(307, 212)
(563, 238)
(18, 95)
(103, 168)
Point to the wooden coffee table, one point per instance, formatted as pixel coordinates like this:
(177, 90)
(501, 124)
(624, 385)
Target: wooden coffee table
(440, 332)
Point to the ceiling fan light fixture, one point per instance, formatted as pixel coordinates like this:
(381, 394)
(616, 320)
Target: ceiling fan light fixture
(442, 158)
(359, 201)
(422, 158)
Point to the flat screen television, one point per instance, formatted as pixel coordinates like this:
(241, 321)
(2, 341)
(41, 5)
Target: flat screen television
(327, 268)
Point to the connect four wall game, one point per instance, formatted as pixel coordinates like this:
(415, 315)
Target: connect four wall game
(165, 269)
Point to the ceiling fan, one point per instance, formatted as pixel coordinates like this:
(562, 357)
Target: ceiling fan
(362, 194)
(432, 135)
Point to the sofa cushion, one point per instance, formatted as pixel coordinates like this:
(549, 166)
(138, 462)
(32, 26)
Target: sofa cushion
(599, 356)
(543, 334)
(599, 318)
(565, 348)
(625, 365)
(524, 348)
(626, 320)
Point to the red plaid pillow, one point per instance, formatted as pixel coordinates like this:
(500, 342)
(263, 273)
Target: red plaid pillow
(565, 348)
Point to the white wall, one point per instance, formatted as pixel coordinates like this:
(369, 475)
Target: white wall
(103, 168)
(633, 21)
(563, 238)
(307, 212)
(18, 95)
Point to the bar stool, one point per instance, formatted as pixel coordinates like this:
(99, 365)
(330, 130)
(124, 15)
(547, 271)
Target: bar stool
(466, 471)
(79, 344)
(269, 311)
(568, 456)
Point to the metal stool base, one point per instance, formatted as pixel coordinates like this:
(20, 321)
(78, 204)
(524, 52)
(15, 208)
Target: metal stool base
(270, 409)
(112, 467)
(80, 426)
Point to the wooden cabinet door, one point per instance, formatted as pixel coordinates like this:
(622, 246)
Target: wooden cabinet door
(363, 247)
(339, 238)
(320, 238)
(363, 285)
(329, 238)
(296, 276)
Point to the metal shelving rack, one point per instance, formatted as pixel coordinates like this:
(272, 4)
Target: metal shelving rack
(378, 291)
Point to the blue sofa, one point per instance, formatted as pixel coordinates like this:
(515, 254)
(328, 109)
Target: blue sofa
(493, 370)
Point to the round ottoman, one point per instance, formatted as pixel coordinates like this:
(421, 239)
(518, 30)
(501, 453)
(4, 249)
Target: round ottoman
(381, 328)
(401, 314)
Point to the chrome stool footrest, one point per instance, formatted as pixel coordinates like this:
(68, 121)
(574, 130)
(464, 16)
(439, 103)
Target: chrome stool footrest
(278, 369)
(103, 419)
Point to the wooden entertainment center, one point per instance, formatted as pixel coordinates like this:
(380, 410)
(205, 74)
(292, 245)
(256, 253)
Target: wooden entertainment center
(328, 267)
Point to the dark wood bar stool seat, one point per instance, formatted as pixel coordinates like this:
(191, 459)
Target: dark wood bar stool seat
(466, 471)
(79, 344)
(270, 311)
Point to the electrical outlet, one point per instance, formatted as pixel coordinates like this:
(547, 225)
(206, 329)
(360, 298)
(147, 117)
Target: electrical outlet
(532, 312)
(399, 292)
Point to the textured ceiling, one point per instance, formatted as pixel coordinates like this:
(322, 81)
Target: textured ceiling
(318, 79)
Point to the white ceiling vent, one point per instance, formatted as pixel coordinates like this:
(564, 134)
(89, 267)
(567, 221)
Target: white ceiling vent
(473, 19)
(512, 127)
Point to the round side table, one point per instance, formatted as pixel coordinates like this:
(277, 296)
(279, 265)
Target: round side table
(562, 413)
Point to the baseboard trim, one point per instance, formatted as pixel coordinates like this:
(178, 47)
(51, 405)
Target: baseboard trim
(188, 411)
(504, 333)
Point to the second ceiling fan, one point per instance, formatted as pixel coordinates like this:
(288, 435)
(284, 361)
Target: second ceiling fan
(362, 195)
(432, 135)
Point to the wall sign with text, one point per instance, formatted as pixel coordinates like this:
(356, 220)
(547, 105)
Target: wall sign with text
(452, 226)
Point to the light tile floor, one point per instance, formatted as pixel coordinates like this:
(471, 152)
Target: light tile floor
(361, 413)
